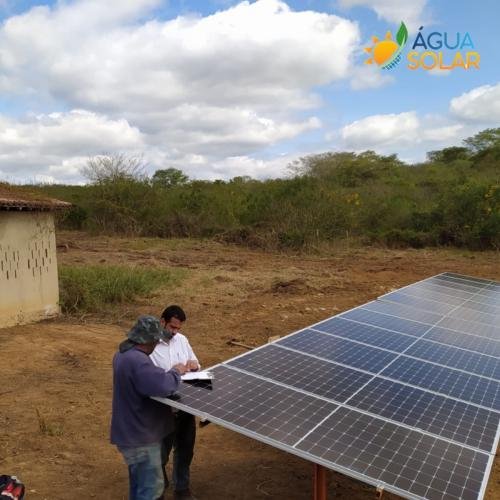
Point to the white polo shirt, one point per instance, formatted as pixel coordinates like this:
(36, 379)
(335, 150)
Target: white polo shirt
(176, 350)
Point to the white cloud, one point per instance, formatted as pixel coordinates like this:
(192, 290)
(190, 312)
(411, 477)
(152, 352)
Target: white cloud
(481, 104)
(407, 134)
(225, 132)
(261, 55)
(439, 72)
(256, 168)
(381, 130)
(369, 77)
(224, 85)
(411, 12)
(443, 133)
(58, 144)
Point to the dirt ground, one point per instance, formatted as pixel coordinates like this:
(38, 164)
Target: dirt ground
(55, 389)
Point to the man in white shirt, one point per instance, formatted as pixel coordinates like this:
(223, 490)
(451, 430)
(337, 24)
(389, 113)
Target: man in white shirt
(166, 355)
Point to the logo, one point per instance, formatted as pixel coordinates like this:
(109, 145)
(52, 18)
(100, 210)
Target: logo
(387, 53)
(433, 56)
(434, 51)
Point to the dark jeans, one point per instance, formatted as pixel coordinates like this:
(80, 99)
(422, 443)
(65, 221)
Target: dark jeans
(144, 471)
(182, 440)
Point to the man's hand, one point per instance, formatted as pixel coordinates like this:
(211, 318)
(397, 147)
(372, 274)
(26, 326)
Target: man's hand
(182, 369)
(192, 365)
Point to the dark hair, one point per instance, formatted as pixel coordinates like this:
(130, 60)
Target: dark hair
(173, 312)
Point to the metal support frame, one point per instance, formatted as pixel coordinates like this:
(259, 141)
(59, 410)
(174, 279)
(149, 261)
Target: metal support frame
(319, 482)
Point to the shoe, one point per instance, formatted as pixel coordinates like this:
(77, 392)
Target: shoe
(184, 495)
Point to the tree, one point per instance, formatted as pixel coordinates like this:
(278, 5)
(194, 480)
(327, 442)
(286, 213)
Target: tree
(109, 168)
(448, 155)
(346, 168)
(169, 177)
(486, 139)
(241, 179)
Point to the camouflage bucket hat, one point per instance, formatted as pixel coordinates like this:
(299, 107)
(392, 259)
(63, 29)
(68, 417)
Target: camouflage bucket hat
(146, 330)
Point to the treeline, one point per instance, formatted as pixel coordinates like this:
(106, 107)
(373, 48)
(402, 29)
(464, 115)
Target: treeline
(451, 199)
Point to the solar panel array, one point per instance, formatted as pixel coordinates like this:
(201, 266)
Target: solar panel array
(402, 392)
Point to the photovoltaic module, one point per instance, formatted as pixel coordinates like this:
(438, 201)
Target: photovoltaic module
(402, 392)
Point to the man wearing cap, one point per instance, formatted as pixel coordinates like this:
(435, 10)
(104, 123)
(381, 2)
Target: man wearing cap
(139, 423)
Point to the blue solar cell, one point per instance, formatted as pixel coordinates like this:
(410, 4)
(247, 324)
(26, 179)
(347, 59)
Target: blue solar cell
(447, 355)
(388, 322)
(303, 372)
(339, 350)
(426, 293)
(457, 284)
(418, 303)
(489, 299)
(472, 279)
(443, 380)
(442, 289)
(469, 314)
(371, 335)
(402, 311)
(464, 341)
(470, 327)
(424, 466)
(485, 308)
(254, 405)
(433, 413)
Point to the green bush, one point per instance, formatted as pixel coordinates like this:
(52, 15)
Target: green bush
(89, 288)
(292, 239)
(451, 199)
(402, 238)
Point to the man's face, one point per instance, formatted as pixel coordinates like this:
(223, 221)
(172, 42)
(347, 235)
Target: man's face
(173, 325)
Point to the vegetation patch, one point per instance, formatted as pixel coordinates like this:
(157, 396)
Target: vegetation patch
(89, 288)
(451, 199)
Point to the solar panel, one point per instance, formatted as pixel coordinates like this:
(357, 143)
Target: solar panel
(370, 335)
(423, 292)
(339, 350)
(471, 327)
(402, 393)
(416, 464)
(403, 311)
(443, 380)
(479, 364)
(458, 283)
(392, 323)
(430, 412)
(465, 341)
(256, 406)
(419, 303)
(469, 314)
(483, 308)
(302, 372)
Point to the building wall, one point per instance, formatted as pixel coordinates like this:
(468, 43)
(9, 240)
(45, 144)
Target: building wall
(29, 289)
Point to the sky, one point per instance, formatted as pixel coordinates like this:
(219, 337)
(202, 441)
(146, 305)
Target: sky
(221, 88)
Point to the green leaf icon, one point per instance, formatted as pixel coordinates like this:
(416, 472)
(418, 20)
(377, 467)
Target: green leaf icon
(402, 35)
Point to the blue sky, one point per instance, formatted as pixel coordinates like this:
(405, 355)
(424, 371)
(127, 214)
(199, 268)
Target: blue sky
(221, 88)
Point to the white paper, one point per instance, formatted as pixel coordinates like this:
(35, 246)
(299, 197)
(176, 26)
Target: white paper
(201, 375)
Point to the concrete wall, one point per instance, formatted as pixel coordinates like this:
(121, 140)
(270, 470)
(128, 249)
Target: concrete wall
(29, 289)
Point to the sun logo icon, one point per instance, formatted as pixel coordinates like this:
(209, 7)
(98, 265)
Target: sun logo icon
(387, 53)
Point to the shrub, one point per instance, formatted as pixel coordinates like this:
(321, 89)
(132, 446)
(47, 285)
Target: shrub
(89, 288)
(451, 199)
(403, 238)
(292, 239)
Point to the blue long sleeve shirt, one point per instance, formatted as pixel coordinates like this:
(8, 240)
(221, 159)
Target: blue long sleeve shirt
(136, 419)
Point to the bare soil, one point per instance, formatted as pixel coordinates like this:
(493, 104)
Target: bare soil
(55, 376)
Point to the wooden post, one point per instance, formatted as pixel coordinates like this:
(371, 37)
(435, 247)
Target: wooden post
(319, 482)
